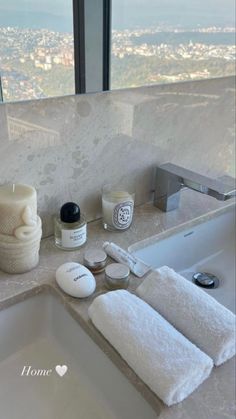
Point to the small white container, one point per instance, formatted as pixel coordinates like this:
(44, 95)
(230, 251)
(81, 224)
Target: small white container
(136, 266)
(95, 260)
(117, 276)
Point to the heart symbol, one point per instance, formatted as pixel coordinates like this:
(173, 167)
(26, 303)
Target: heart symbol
(61, 369)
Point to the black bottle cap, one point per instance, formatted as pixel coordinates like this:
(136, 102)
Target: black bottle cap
(70, 212)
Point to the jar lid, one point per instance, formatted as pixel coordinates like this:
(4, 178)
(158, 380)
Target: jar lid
(70, 212)
(117, 271)
(95, 258)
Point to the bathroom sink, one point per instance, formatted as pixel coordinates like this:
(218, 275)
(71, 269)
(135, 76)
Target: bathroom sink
(208, 246)
(39, 334)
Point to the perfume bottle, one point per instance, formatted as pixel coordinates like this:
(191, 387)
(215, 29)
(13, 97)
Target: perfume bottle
(70, 227)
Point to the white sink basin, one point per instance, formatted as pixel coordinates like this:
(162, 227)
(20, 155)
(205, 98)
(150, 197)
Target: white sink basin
(40, 333)
(207, 247)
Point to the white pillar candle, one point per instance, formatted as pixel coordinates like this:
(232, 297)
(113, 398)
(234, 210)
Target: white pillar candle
(18, 207)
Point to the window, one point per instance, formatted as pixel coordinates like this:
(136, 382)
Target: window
(60, 47)
(163, 41)
(36, 49)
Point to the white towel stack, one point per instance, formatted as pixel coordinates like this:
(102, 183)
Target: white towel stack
(163, 358)
(192, 311)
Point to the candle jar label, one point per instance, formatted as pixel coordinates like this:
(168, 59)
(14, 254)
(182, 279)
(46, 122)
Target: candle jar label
(122, 214)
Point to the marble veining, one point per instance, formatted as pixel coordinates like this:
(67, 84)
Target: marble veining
(69, 147)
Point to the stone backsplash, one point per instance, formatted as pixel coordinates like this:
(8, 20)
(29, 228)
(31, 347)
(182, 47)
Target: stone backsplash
(69, 147)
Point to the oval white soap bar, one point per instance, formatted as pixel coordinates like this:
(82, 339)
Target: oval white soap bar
(75, 280)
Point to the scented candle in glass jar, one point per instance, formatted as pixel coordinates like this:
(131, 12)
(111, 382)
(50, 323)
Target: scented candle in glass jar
(117, 207)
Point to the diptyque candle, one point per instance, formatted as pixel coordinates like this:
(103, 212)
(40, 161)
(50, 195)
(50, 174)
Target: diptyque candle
(117, 207)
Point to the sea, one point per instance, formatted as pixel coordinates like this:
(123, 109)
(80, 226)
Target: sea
(57, 23)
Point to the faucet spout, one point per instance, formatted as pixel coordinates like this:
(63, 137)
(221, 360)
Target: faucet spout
(170, 179)
(230, 195)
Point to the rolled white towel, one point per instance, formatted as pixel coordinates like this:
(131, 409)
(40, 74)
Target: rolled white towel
(163, 358)
(192, 311)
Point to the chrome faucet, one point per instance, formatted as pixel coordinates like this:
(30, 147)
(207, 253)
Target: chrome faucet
(170, 179)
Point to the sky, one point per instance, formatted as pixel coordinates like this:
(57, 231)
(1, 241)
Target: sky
(183, 11)
(54, 15)
(126, 13)
(59, 7)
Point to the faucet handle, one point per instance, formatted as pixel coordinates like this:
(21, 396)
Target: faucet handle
(167, 188)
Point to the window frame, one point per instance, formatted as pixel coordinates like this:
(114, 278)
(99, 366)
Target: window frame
(1, 91)
(81, 44)
(107, 13)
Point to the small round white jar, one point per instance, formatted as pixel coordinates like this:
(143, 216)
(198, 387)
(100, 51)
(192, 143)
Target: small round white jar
(117, 276)
(95, 260)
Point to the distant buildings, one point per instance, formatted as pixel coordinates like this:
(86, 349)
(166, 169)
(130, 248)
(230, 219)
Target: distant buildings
(26, 52)
(124, 44)
(28, 58)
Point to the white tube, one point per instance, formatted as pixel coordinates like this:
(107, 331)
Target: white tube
(136, 266)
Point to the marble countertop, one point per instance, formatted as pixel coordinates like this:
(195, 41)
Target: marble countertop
(215, 397)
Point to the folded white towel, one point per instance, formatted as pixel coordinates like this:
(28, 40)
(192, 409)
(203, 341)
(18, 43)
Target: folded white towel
(192, 311)
(163, 358)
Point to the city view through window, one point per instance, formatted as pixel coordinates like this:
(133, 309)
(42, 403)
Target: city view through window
(163, 41)
(153, 41)
(36, 49)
